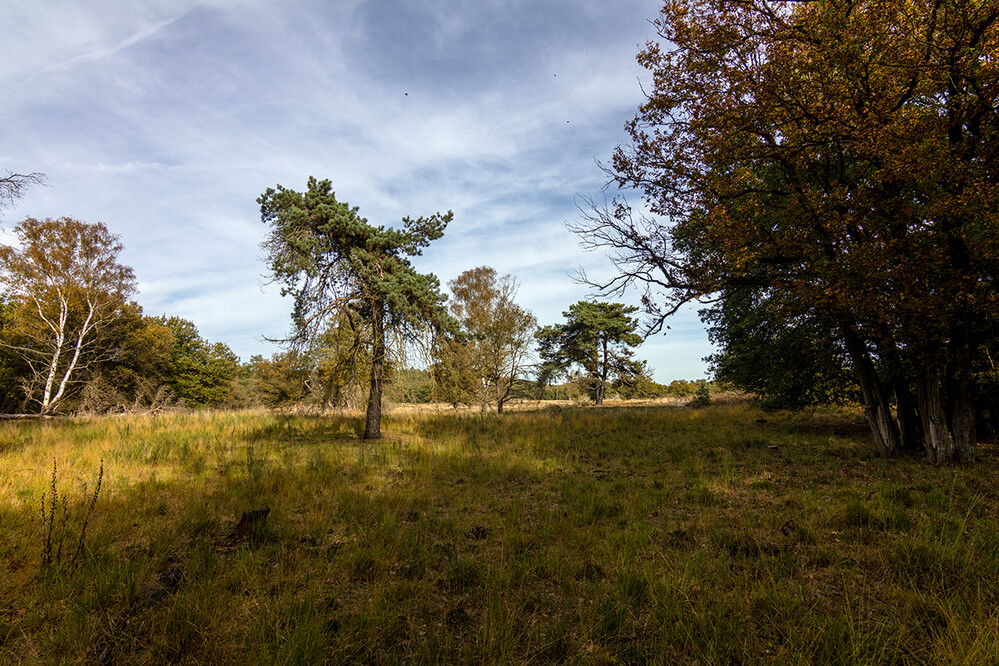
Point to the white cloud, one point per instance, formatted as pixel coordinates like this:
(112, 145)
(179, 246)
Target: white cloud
(167, 118)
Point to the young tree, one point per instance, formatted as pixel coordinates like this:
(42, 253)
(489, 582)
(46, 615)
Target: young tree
(842, 156)
(497, 344)
(597, 337)
(336, 264)
(68, 289)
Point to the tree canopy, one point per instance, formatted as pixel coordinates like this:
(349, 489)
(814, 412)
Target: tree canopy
(335, 264)
(485, 365)
(840, 156)
(787, 363)
(597, 337)
(67, 290)
(202, 372)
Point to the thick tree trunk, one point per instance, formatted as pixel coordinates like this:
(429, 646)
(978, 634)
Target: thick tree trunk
(937, 436)
(961, 404)
(910, 428)
(373, 418)
(948, 424)
(887, 439)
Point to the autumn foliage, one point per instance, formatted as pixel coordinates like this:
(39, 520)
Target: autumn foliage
(840, 157)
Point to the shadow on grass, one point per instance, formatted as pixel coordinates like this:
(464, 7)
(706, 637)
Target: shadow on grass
(584, 536)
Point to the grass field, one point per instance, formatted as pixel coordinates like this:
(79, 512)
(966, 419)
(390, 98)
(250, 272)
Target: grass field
(580, 535)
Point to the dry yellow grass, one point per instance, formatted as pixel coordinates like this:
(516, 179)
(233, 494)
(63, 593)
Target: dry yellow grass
(564, 534)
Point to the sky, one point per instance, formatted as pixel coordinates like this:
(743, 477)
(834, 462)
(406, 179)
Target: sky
(166, 119)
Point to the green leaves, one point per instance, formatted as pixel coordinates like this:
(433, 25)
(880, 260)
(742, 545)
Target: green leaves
(328, 257)
(333, 261)
(597, 337)
(202, 372)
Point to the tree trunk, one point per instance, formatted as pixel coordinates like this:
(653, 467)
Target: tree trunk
(909, 426)
(960, 402)
(59, 329)
(887, 439)
(373, 418)
(77, 349)
(948, 425)
(937, 436)
(598, 397)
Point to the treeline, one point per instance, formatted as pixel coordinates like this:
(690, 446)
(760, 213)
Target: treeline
(145, 363)
(73, 340)
(286, 379)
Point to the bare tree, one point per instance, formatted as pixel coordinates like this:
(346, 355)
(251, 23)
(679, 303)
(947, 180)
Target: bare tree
(68, 288)
(13, 186)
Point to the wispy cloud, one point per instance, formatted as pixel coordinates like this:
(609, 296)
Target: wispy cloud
(167, 119)
(104, 52)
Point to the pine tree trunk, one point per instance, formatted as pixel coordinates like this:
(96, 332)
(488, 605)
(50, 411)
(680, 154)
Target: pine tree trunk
(373, 418)
(602, 377)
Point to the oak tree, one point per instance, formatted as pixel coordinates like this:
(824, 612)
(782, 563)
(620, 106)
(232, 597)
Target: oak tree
(843, 156)
(786, 362)
(335, 264)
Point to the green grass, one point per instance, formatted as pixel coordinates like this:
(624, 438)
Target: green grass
(592, 536)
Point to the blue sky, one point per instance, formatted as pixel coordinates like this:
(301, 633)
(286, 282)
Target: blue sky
(166, 119)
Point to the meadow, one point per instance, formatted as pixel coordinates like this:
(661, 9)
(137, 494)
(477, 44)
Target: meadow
(653, 534)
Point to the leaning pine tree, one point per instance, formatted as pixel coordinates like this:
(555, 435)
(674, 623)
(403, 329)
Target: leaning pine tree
(334, 263)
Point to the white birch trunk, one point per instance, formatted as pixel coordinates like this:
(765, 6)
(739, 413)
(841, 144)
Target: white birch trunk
(60, 340)
(84, 331)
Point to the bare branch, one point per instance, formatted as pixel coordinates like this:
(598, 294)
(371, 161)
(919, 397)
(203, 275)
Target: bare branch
(14, 185)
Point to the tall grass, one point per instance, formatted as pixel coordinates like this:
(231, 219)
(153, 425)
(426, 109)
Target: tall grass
(663, 535)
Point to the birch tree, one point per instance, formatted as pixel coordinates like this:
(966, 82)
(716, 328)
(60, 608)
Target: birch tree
(67, 288)
(496, 350)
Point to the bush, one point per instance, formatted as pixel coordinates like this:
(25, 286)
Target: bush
(702, 395)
